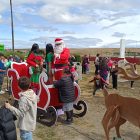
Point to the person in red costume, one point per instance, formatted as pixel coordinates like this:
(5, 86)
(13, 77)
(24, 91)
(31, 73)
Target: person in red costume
(61, 57)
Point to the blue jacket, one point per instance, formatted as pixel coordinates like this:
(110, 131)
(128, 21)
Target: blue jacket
(2, 67)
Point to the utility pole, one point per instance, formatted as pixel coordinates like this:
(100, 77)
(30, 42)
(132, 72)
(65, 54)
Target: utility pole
(12, 26)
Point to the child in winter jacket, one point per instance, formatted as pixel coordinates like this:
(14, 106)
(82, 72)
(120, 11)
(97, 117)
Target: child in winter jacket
(27, 109)
(66, 94)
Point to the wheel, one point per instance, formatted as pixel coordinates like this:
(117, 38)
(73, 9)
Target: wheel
(47, 117)
(80, 106)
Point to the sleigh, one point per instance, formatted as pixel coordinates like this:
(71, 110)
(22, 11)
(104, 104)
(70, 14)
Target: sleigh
(48, 98)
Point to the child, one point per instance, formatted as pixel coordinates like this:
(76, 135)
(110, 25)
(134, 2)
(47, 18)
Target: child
(103, 68)
(132, 82)
(97, 63)
(2, 72)
(114, 74)
(99, 82)
(74, 72)
(27, 109)
(66, 93)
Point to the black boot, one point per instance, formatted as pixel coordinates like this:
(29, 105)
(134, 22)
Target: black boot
(71, 115)
(68, 119)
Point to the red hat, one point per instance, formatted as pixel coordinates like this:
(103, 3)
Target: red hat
(58, 40)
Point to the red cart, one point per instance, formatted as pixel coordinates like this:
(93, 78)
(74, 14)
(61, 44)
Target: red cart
(48, 98)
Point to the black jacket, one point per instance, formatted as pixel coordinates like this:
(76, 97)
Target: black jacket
(7, 125)
(66, 89)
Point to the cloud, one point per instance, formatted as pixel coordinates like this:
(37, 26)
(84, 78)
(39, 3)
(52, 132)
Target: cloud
(61, 14)
(128, 44)
(74, 11)
(117, 34)
(71, 42)
(114, 24)
(22, 44)
(67, 32)
(40, 28)
(1, 19)
(81, 19)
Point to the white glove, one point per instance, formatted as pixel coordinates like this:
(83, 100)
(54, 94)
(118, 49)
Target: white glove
(30, 71)
(53, 71)
(44, 70)
(57, 55)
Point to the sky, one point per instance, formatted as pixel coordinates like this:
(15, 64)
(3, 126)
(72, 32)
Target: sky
(81, 23)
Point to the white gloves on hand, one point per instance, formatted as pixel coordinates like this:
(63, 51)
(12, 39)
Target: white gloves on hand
(30, 70)
(44, 70)
(57, 55)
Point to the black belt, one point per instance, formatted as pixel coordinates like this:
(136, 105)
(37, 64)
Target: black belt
(60, 65)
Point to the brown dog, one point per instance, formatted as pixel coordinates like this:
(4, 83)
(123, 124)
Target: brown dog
(119, 110)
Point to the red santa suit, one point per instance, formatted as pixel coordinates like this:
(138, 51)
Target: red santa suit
(61, 58)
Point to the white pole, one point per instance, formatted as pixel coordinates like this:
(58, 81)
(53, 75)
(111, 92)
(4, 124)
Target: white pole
(122, 48)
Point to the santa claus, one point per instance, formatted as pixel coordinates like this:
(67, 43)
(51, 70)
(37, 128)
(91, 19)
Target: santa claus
(61, 57)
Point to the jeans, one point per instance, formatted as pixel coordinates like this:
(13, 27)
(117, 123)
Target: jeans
(26, 135)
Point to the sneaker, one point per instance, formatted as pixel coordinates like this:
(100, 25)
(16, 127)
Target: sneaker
(6, 90)
(132, 88)
(2, 92)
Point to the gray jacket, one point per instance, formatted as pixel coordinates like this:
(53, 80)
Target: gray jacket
(27, 110)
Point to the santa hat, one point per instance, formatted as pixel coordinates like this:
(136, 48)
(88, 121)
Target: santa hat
(58, 40)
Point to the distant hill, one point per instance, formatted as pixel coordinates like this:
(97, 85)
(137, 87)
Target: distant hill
(103, 51)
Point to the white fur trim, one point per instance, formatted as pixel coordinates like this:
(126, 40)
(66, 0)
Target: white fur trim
(57, 42)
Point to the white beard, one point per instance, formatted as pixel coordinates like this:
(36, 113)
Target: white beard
(59, 49)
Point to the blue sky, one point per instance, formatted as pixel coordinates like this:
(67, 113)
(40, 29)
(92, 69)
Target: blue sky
(81, 23)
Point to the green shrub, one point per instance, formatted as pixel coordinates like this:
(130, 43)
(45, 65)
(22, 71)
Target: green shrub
(18, 53)
(77, 57)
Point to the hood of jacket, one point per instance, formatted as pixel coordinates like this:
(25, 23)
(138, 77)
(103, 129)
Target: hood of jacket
(29, 94)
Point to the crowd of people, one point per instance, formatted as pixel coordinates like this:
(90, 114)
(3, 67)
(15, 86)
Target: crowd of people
(104, 69)
(62, 72)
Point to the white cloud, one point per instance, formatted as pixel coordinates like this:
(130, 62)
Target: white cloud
(114, 24)
(67, 32)
(61, 14)
(71, 42)
(40, 28)
(78, 18)
(117, 34)
(1, 18)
